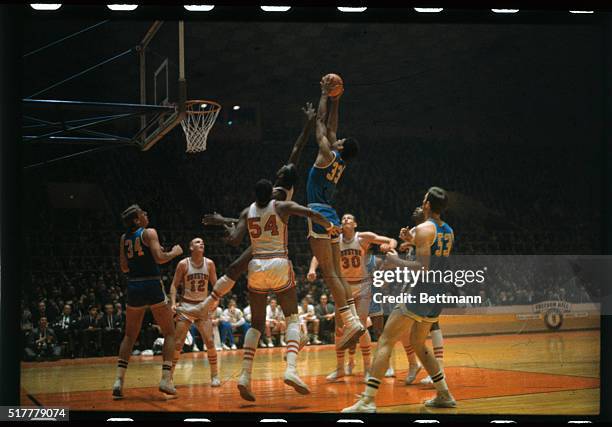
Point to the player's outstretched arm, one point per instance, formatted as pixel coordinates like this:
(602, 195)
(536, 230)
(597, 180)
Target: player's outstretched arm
(369, 238)
(332, 120)
(179, 273)
(218, 219)
(325, 147)
(298, 147)
(152, 241)
(287, 209)
(236, 234)
(123, 264)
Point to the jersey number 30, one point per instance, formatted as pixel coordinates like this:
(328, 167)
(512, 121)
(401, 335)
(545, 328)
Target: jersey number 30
(255, 227)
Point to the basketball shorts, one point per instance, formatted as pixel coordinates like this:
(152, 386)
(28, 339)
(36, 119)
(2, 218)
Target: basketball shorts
(317, 231)
(361, 289)
(191, 312)
(419, 311)
(270, 275)
(147, 292)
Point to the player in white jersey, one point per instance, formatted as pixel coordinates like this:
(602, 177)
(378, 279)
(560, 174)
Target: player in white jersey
(271, 271)
(195, 273)
(353, 264)
(286, 177)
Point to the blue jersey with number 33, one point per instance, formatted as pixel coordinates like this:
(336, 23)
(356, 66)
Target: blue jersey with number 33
(441, 246)
(322, 181)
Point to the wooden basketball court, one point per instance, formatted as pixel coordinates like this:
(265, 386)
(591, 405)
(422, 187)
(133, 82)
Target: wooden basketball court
(538, 373)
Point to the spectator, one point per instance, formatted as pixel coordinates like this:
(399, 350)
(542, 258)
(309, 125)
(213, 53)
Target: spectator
(325, 312)
(307, 315)
(91, 334)
(42, 344)
(112, 330)
(233, 315)
(275, 323)
(66, 329)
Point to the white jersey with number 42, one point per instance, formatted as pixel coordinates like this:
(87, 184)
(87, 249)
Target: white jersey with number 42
(267, 231)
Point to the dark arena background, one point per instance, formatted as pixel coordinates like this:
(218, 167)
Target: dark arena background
(506, 113)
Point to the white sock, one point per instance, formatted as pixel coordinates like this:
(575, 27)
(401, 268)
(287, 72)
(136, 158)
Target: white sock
(351, 303)
(439, 382)
(122, 366)
(293, 340)
(438, 345)
(166, 370)
(346, 315)
(250, 346)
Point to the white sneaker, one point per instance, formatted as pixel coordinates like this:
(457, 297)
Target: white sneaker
(390, 373)
(348, 369)
(225, 347)
(195, 349)
(244, 386)
(441, 402)
(293, 380)
(167, 387)
(263, 344)
(361, 406)
(426, 381)
(219, 348)
(336, 375)
(413, 371)
(215, 381)
(233, 347)
(270, 344)
(118, 389)
(148, 352)
(283, 343)
(316, 340)
(351, 335)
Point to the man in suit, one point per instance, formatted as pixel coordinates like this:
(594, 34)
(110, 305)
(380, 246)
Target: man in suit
(66, 328)
(325, 312)
(91, 334)
(42, 343)
(111, 330)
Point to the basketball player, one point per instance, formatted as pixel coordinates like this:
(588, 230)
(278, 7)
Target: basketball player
(354, 247)
(286, 178)
(139, 256)
(433, 240)
(271, 271)
(195, 273)
(323, 177)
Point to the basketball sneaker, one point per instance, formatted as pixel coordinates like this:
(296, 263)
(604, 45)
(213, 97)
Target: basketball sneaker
(215, 381)
(293, 380)
(166, 386)
(427, 380)
(118, 389)
(441, 401)
(304, 340)
(336, 375)
(351, 334)
(244, 387)
(413, 371)
(390, 373)
(361, 406)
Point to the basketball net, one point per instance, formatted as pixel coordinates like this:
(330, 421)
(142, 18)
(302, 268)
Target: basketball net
(199, 119)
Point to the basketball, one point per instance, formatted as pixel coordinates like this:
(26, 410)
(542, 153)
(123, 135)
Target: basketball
(337, 84)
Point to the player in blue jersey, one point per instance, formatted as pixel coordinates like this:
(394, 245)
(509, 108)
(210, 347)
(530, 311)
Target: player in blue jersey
(139, 256)
(323, 177)
(433, 240)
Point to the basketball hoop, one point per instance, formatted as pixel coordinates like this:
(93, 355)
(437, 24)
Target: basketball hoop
(199, 119)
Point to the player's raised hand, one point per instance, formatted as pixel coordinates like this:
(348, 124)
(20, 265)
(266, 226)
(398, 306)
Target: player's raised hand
(311, 276)
(309, 111)
(406, 235)
(325, 84)
(334, 230)
(212, 219)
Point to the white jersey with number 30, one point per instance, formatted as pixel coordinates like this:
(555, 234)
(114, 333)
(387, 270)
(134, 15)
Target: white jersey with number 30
(352, 260)
(267, 231)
